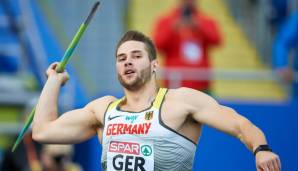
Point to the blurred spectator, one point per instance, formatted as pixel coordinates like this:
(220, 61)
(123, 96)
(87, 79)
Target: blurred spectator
(278, 13)
(13, 162)
(184, 36)
(285, 51)
(23, 157)
(58, 158)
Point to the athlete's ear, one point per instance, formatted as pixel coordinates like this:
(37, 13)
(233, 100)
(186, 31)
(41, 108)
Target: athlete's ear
(154, 65)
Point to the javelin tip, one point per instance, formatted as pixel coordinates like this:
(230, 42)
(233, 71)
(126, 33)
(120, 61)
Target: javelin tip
(92, 12)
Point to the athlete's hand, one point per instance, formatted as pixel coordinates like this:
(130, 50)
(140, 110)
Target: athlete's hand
(267, 161)
(51, 72)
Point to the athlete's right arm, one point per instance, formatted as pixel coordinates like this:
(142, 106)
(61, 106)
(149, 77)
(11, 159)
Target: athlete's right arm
(71, 127)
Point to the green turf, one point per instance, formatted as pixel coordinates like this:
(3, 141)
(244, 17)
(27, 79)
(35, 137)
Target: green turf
(8, 114)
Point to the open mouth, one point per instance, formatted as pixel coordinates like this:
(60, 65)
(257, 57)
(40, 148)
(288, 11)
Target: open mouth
(129, 72)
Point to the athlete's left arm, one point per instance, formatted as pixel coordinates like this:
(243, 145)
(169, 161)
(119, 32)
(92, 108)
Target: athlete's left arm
(204, 109)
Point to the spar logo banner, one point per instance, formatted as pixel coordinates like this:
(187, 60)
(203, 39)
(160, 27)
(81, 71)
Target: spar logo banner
(130, 156)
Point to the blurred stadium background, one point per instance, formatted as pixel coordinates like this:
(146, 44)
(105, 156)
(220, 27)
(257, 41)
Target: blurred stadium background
(35, 33)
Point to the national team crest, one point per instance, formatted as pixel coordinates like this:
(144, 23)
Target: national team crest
(149, 115)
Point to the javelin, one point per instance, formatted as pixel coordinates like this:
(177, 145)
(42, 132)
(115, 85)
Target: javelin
(60, 68)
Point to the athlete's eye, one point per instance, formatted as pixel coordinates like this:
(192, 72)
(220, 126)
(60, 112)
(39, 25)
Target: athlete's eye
(137, 56)
(120, 59)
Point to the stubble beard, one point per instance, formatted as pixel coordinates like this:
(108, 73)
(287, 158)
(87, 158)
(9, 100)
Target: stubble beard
(139, 80)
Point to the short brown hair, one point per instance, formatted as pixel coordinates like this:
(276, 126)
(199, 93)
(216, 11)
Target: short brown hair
(138, 36)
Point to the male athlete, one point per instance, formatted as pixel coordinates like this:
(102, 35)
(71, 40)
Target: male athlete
(150, 128)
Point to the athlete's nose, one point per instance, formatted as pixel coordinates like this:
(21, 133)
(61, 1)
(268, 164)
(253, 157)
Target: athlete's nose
(128, 62)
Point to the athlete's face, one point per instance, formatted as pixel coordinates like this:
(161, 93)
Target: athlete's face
(134, 68)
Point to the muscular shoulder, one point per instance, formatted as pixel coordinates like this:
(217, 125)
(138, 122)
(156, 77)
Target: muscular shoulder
(101, 102)
(190, 97)
(99, 106)
(184, 93)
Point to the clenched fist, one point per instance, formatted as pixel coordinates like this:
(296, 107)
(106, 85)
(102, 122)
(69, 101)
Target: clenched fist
(51, 72)
(267, 161)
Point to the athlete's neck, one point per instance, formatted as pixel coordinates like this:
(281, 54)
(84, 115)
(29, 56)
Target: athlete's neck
(141, 98)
